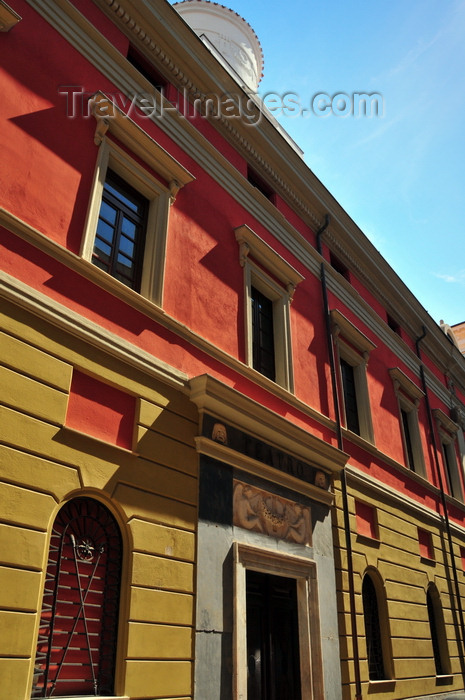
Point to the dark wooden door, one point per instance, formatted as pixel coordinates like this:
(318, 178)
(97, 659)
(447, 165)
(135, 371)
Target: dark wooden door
(272, 638)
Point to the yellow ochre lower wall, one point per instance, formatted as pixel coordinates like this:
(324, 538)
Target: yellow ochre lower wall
(151, 490)
(405, 578)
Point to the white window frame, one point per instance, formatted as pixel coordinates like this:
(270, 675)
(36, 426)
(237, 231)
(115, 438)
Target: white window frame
(354, 347)
(408, 399)
(304, 572)
(447, 431)
(258, 258)
(111, 120)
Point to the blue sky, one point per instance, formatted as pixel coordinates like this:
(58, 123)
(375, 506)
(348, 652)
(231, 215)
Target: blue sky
(399, 176)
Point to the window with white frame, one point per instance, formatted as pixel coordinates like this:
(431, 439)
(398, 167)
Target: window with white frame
(269, 285)
(447, 431)
(127, 220)
(408, 400)
(353, 351)
(276, 608)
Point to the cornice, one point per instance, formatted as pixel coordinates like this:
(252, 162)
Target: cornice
(73, 323)
(344, 291)
(179, 71)
(219, 452)
(369, 266)
(384, 460)
(225, 403)
(383, 492)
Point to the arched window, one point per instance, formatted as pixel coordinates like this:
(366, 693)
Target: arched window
(438, 631)
(79, 618)
(371, 613)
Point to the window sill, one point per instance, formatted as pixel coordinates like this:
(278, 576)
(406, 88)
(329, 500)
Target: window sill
(371, 542)
(428, 560)
(445, 679)
(381, 686)
(113, 445)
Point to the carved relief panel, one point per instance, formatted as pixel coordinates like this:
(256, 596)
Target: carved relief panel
(262, 511)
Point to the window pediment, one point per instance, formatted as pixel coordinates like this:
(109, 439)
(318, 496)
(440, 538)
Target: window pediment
(403, 383)
(444, 422)
(111, 118)
(250, 243)
(343, 327)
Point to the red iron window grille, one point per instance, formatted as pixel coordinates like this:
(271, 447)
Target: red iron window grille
(77, 636)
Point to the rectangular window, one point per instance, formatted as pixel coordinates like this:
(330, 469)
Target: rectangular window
(261, 185)
(353, 350)
(146, 69)
(450, 463)
(337, 265)
(408, 437)
(269, 286)
(120, 237)
(447, 430)
(408, 401)
(262, 334)
(126, 226)
(350, 397)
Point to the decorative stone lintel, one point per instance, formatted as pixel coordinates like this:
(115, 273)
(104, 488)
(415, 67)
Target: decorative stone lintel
(110, 118)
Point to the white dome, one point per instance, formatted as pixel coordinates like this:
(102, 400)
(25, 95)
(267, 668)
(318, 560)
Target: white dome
(230, 35)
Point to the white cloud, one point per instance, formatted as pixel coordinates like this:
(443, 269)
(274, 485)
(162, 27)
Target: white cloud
(454, 278)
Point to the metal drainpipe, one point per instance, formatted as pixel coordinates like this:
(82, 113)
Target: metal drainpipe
(441, 489)
(340, 444)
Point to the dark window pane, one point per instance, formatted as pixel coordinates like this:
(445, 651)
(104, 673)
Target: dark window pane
(126, 246)
(350, 397)
(108, 213)
(263, 334)
(434, 634)
(128, 228)
(102, 250)
(105, 231)
(119, 248)
(122, 195)
(408, 438)
(372, 630)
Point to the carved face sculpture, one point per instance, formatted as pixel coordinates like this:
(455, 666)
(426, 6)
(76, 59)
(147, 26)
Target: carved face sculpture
(219, 434)
(320, 480)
